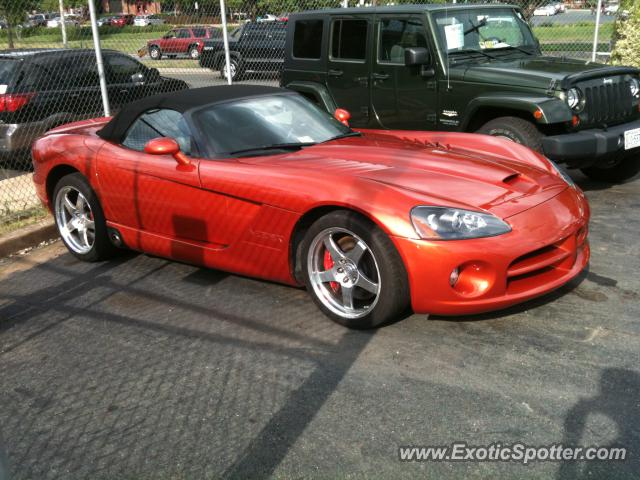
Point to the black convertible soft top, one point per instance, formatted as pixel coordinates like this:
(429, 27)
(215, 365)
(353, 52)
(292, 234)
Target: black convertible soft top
(181, 101)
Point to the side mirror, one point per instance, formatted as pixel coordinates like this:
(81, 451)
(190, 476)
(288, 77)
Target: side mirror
(138, 78)
(416, 56)
(342, 116)
(166, 146)
(153, 75)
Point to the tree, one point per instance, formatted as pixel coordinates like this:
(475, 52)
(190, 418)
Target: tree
(14, 13)
(626, 35)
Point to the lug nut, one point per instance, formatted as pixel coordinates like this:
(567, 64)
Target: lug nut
(340, 270)
(345, 280)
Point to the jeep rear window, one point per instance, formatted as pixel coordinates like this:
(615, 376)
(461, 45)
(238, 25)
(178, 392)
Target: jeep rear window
(307, 37)
(349, 39)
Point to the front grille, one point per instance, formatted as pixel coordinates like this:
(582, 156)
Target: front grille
(608, 103)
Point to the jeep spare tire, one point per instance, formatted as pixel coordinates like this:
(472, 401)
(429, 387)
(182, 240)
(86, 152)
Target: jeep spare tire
(515, 129)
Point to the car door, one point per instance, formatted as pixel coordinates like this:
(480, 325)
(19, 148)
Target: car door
(255, 47)
(182, 41)
(348, 68)
(152, 193)
(402, 97)
(168, 42)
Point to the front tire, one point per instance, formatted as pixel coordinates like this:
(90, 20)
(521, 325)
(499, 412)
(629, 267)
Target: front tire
(235, 65)
(515, 129)
(80, 219)
(353, 271)
(616, 170)
(155, 53)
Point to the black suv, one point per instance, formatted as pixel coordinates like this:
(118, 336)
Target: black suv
(40, 89)
(470, 68)
(255, 49)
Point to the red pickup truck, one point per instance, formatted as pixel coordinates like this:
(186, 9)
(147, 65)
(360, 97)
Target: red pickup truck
(180, 41)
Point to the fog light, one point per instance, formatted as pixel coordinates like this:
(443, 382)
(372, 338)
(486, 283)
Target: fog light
(453, 278)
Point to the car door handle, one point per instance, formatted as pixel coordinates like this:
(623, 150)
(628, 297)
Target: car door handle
(335, 73)
(361, 80)
(380, 76)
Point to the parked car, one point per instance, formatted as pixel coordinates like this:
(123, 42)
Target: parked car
(611, 9)
(260, 182)
(38, 20)
(121, 20)
(41, 89)
(104, 21)
(146, 20)
(69, 20)
(480, 70)
(267, 18)
(182, 41)
(255, 48)
(545, 11)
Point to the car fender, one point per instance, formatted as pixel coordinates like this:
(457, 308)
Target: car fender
(553, 109)
(317, 90)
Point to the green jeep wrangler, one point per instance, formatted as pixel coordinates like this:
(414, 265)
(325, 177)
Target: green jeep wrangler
(469, 68)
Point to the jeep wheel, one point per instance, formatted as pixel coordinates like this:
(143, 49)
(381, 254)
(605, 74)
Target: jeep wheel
(514, 129)
(616, 170)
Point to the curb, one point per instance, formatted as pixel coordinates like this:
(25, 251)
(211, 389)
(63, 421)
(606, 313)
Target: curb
(26, 237)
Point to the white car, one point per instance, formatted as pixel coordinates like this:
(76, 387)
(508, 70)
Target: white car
(611, 9)
(69, 21)
(146, 20)
(267, 18)
(544, 11)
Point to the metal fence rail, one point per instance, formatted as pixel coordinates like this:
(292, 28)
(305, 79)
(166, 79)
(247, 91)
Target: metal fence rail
(50, 73)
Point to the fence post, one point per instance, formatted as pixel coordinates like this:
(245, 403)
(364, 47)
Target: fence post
(225, 39)
(63, 26)
(99, 62)
(595, 33)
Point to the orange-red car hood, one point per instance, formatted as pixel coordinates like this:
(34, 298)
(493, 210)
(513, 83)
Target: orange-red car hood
(452, 176)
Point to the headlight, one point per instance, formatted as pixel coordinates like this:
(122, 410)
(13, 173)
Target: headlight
(443, 223)
(573, 99)
(634, 85)
(561, 172)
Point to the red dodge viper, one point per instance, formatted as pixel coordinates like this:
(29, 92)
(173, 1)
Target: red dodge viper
(261, 182)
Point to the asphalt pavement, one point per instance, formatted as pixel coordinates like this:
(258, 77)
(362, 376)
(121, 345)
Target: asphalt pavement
(150, 369)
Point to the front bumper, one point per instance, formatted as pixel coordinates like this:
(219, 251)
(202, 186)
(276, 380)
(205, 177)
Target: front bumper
(582, 149)
(546, 248)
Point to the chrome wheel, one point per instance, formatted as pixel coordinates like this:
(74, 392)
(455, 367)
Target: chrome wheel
(194, 53)
(343, 273)
(233, 67)
(75, 220)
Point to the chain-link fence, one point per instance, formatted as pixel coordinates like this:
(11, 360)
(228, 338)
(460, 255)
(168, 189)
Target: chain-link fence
(49, 74)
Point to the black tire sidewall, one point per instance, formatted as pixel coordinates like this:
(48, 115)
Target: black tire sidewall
(394, 297)
(627, 168)
(102, 248)
(155, 49)
(515, 129)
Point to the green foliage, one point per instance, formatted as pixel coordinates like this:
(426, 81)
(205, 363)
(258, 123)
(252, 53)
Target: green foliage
(626, 50)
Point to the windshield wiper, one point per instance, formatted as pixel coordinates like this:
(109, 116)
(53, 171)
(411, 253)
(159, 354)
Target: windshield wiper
(343, 135)
(513, 46)
(473, 50)
(275, 146)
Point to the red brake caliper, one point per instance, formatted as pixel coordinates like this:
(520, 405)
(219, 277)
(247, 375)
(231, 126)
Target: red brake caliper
(328, 265)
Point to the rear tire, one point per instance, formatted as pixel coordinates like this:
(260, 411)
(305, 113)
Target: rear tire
(616, 171)
(353, 271)
(194, 53)
(515, 129)
(80, 219)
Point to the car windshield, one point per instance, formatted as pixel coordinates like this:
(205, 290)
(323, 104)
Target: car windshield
(266, 123)
(483, 30)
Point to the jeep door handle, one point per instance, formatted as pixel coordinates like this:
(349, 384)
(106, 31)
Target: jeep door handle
(335, 73)
(380, 76)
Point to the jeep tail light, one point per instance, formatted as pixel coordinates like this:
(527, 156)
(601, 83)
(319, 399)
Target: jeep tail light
(12, 102)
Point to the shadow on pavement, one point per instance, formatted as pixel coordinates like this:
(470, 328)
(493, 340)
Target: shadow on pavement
(618, 402)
